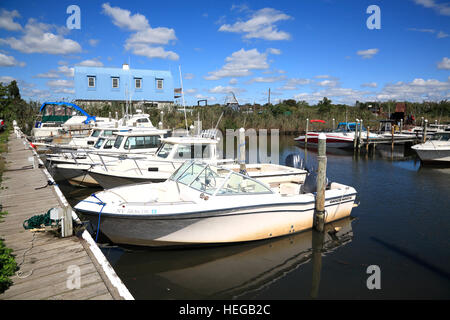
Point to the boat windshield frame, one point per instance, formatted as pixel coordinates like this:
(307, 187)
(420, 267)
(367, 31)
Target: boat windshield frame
(218, 189)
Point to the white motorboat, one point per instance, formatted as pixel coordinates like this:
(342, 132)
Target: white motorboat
(72, 166)
(204, 204)
(436, 150)
(173, 152)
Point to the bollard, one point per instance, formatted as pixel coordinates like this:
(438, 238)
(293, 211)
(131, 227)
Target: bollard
(319, 212)
(242, 167)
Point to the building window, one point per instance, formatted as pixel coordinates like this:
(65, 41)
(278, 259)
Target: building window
(115, 82)
(159, 84)
(138, 83)
(91, 81)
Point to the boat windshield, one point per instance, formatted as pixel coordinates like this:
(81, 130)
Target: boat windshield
(441, 136)
(99, 143)
(95, 133)
(164, 151)
(216, 181)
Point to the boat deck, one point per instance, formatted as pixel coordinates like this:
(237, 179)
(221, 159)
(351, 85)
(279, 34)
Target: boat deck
(47, 262)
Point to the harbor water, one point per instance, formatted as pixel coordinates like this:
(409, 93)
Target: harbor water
(400, 230)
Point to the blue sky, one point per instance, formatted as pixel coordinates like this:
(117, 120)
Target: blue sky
(301, 50)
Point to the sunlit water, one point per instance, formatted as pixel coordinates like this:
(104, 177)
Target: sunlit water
(401, 225)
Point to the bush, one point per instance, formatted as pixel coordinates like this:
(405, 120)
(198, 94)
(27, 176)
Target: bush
(7, 267)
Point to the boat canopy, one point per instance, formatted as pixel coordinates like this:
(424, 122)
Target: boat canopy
(317, 120)
(62, 111)
(348, 126)
(216, 181)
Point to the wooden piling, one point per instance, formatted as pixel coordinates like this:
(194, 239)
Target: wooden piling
(424, 131)
(355, 139)
(360, 133)
(319, 212)
(392, 138)
(367, 139)
(306, 132)
(241, 147)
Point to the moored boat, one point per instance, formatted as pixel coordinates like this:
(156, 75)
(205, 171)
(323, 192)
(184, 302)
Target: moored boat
(205, 204)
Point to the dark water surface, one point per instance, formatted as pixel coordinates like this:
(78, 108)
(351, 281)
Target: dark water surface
(401, 225)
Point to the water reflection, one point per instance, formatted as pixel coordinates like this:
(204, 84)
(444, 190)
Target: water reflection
(226, 272)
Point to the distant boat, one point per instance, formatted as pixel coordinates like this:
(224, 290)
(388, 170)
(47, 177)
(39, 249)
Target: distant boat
(205, 204)
(341, 137)
(436, 150)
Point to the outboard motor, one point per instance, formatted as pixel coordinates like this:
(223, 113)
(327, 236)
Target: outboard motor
(294, 160)
(310, 184)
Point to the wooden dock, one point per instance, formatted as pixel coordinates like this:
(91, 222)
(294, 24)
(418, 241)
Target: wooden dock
(51, 267)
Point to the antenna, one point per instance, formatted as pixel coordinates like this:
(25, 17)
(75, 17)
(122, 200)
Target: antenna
(182, 96)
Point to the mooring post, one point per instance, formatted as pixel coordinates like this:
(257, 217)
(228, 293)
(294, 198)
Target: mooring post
(67, 224)
(242, 168)
(367, 139)
(162, 117)
(401, 125)
(306, 132)
(319, 212)
(355, 139)
(425, 130)
(360, 133)
(392, 138)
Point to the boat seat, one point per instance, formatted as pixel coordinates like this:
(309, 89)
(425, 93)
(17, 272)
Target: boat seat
(289, 188)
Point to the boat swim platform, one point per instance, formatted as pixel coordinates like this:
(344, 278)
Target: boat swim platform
(50, 267)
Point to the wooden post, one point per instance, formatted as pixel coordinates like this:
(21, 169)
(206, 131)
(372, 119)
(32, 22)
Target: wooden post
(392, 138)
(242, 168)
(319, 212)
(360, 133)
(306, 132)
(367, 139)
(355, 139)
(401, 125)
(424, 131)
(334, 124)
(66, 223)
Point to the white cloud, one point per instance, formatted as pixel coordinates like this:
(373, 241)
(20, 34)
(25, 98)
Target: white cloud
(9, 61)
(123, 18)
(367, 54)
(369, 85)
(442, 34)
(233, 81)
(48, 75)
(267, 79)
(6, 79)
(189, 76)
(37, 38)
(261, 25)
(416, 90)
(90, 63)
(328, 83)
(240, 64)
(226, 90)
(7, 20)
(441, 8)
(274, 51)
(66, 71)
(444, 64)
(61, 83)
(93, 42)
(145, 37)
(152, 52)
(202, 97)
(294, 83)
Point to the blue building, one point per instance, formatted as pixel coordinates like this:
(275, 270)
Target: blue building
(99, 84)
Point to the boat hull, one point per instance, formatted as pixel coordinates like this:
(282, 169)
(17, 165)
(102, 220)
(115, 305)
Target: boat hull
(434, 156)
(113, 181)
(332, 142)
(232, 225)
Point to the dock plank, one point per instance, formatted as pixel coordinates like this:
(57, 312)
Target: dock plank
(43, 257)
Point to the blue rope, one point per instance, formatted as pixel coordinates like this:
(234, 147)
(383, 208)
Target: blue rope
(103, 204)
